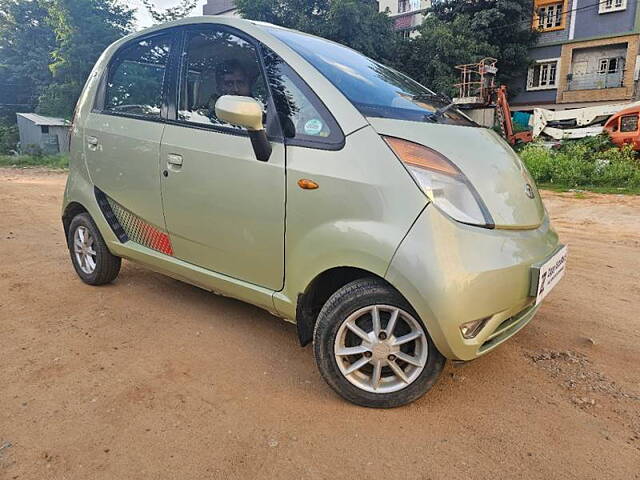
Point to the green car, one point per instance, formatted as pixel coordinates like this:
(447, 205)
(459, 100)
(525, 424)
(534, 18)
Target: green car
(300, 176)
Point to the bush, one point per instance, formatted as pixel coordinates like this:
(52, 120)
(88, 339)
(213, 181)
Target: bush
(8, 139)
(585, 163)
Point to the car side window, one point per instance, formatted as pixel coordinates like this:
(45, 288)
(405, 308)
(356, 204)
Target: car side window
(302, 116)
(217, 63)
(136, 77)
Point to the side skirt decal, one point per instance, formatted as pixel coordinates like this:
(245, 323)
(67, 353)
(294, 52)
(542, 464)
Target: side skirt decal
(128, 226)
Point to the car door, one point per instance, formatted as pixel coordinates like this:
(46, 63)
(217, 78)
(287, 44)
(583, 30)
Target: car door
(123, 131)
(224, 209)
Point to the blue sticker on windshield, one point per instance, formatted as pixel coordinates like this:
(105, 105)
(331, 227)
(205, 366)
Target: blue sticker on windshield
(313, 127)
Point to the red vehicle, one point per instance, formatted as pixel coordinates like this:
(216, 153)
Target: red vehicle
(623, 127)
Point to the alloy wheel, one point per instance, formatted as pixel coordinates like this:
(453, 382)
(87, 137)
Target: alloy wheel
(83, 249)
(381, 348)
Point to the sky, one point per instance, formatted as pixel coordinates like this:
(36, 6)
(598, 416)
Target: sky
(143, 18)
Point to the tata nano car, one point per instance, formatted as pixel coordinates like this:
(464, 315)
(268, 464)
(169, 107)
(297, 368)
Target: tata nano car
(302, 177)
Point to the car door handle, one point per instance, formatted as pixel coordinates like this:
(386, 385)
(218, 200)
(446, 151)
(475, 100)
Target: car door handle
(92, 142)
(174, 159)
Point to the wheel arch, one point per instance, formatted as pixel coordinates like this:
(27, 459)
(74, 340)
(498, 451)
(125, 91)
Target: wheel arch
(310, 302)
(70, 211)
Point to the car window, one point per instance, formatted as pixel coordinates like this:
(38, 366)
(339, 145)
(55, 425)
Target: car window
(217, 63)
(629, 123)
(298, 115)
(302, 115)
(135, 79)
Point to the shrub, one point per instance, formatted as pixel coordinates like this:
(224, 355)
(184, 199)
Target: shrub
(8, 139)
(588, 162)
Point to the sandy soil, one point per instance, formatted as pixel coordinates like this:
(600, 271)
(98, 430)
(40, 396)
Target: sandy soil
(151, 378)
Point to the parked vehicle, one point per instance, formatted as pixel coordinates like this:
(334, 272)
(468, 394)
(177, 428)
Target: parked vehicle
(623, 127)
(302, 177)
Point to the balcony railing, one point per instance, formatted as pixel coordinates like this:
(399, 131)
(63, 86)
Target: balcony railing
(595, 81)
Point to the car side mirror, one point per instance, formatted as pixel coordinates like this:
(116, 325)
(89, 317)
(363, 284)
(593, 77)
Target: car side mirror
(246, 112)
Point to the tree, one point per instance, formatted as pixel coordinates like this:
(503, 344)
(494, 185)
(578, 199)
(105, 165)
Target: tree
(356, 23)
(83, 29)
(184, 8)
(458, 32)
(26, 43)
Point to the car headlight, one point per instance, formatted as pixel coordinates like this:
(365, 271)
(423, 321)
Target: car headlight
(443, 182)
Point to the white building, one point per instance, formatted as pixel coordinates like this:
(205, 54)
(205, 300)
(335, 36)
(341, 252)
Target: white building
(42, 134)
(407, 14)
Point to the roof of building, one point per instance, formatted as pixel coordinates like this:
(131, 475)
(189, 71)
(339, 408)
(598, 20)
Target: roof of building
(42, 120)
(216, 7)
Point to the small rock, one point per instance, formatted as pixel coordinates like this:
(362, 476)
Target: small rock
(273, 443)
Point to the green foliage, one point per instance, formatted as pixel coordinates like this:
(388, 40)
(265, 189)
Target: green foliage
(184, 8)
(586, 163)
(48, 47)
(501, 28)
(430, 58)
(453, 33)
(26, 43)
(22, 161)
(356, 23)
(83, 29)
(8, 139)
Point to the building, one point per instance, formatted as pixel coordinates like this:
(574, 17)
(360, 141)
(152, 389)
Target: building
(220, 7)
(42, 134)
(406, 14)
(587, 54)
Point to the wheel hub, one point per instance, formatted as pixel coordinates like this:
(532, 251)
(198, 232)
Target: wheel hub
(382, 349)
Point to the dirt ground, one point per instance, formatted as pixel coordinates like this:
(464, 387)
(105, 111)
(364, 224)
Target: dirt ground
(150, 378)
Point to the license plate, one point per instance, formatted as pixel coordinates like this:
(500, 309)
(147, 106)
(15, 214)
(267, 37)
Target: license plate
(547, 274)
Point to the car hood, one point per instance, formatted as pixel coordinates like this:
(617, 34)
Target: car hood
(489, 163)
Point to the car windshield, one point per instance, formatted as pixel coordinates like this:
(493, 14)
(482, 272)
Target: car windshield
(375, 90)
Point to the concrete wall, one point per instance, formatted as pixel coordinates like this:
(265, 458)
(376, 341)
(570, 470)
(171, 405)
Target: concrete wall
(590, 23)
(392, 5)
(220, 7)
(63, 137)
(604, 94)
(537, 96)
(30, 134)
(559, 35)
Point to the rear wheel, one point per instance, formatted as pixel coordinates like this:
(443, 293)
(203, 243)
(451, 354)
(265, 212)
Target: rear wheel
(371, 347)
(91, 258)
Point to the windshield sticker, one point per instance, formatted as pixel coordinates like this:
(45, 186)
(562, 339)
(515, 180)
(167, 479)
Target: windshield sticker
(313, 127)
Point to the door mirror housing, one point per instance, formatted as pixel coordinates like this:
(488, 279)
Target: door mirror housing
(246, 112)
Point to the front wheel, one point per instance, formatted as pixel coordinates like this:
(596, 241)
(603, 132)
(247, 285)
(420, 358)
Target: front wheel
(371, 347)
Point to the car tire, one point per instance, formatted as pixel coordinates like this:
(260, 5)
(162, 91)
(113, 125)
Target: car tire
(92, 260)
(377, 383)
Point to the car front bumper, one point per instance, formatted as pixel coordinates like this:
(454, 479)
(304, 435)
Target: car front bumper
(453, 273)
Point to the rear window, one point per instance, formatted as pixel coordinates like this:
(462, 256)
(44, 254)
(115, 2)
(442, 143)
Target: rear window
(136, 77)
(375, 90)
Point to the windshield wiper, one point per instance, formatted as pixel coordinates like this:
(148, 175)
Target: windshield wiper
(438, 113)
